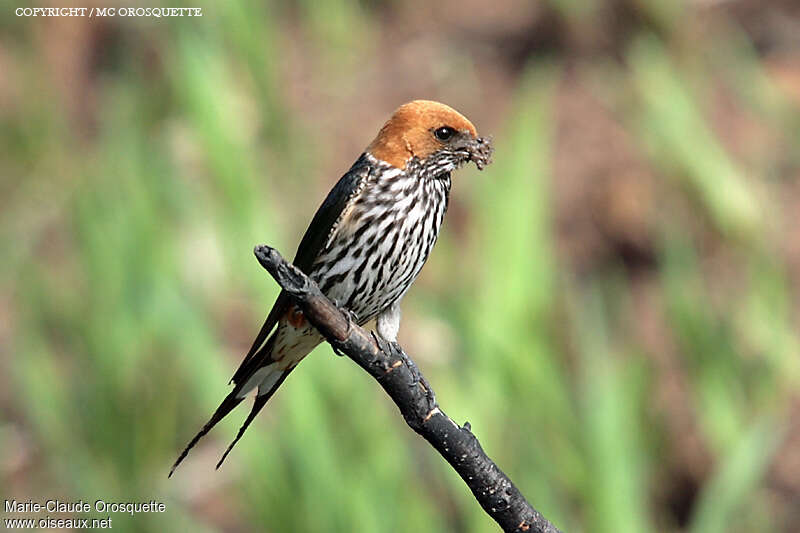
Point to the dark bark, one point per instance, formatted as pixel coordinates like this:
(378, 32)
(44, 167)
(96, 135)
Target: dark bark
(399, 377)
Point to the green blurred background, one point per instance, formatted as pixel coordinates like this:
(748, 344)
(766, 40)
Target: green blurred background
(613, 304)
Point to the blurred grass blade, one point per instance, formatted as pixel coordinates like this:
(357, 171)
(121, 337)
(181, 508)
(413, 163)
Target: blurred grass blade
(732, 491)
(616, 488)
(678, 137)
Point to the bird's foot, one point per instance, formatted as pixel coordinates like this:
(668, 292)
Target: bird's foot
(348, 314)
(351, 319)
(383, 345)
(393, 348)
(418, 378)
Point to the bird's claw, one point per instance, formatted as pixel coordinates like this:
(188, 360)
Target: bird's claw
(351, 319)
(383, 345)
(393, 348)
(348, 314)
(418, 378)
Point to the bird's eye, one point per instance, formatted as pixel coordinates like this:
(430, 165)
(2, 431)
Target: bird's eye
(444, 133)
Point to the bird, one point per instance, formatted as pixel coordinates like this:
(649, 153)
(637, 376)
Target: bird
(365, 245)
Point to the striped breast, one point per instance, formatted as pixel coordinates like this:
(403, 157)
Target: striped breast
(382, 238)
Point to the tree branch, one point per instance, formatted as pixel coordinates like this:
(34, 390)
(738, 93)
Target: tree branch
(399, 377)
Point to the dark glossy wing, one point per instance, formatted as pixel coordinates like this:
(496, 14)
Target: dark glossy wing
(319, 230)
(312, 243)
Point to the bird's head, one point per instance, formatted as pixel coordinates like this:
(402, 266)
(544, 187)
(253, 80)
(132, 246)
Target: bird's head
(432, 135)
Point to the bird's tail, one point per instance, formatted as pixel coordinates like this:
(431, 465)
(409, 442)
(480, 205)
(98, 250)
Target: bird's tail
(261, 400)
(227, 405)
(266, 376)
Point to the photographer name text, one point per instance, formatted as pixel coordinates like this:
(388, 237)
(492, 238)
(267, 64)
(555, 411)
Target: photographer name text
(18, 507)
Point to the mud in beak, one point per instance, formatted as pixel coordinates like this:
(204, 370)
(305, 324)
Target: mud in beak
(480, 151)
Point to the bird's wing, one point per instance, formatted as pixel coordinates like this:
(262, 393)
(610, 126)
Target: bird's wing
(315, 240)
(318, 234)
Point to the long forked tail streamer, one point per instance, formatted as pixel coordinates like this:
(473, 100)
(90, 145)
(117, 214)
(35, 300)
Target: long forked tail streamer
(224, 408)
(261, 400)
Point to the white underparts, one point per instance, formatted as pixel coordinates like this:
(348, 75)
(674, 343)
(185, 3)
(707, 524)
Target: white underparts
(258, 377)
(388, 322)
(270, 380)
